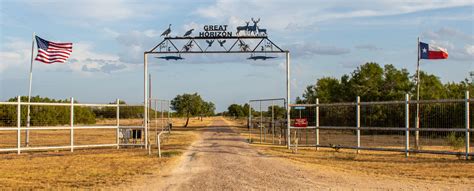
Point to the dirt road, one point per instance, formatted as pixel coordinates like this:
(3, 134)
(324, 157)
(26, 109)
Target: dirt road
(222, 160)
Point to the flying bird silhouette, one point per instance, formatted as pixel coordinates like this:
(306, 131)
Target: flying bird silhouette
(209, 42)
(188, 32)
(221, 42)
(167, 31)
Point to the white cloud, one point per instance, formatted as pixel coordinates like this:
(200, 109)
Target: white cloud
(98, 11)
(15, 53)
(470, 49)
(448, 33)
(133, 44)
(281, 14)
(85, 59)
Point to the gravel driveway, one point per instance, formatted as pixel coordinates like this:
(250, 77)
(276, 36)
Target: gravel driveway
(222, 160)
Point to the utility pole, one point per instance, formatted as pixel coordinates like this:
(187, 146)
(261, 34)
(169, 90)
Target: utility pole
(471, 74)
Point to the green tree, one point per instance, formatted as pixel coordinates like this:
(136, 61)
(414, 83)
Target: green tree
(208, 109)
(396, 83)
(369, 81)
(366, 82)
(190, 105)
(430, 87)
(458, 90)
(246, 109)
(279, 112)
(374, 83)
(236, 110)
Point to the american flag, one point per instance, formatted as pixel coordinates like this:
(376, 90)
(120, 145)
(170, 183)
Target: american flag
(51, 52)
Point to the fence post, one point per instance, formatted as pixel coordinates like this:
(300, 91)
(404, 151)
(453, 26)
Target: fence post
(18, 124)
(250, 122)
(467, 125)
(273, 124)
(72, 124)
(159, 145)
(407, 124)
(118, 123)
(358, 123)
(317, 124)
(261, 121)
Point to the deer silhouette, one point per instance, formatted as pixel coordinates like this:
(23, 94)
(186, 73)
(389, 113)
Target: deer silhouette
(253, 29)
(243, 28)
(262, 31)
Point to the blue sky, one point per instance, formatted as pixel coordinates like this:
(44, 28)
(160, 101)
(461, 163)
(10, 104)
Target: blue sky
(326, 38)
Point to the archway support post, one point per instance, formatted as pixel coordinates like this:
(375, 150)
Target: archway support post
(288, 81)
(145, 98)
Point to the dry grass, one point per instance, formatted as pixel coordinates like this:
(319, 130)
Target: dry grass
(382, 164)
(237, 122)
(90, 168)
(59, 137)
(177, 122)
(193, 122)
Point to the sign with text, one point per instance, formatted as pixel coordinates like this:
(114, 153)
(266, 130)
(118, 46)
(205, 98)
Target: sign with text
(301, 122)
(215, 31)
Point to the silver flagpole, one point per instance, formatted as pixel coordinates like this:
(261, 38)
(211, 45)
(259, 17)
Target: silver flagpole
(417, 125)
(27, 137)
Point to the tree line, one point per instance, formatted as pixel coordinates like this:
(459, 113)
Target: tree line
(375, 83)
(60, 115)
(44, 115)
(238, 111)
(185, 105)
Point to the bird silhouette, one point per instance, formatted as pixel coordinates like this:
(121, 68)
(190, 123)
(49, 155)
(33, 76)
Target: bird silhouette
(188, 32)
(167, 31)
(221, 42)
(209, 42)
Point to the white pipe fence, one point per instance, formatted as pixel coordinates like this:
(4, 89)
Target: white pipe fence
(379, 125)
(115, 136)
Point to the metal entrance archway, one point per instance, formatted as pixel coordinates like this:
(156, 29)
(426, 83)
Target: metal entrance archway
(169, 46)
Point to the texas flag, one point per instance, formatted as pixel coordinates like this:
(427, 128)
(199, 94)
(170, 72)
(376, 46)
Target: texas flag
(432, 52)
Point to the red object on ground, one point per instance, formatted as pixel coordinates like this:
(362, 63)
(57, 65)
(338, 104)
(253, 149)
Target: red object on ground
(301, 122)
